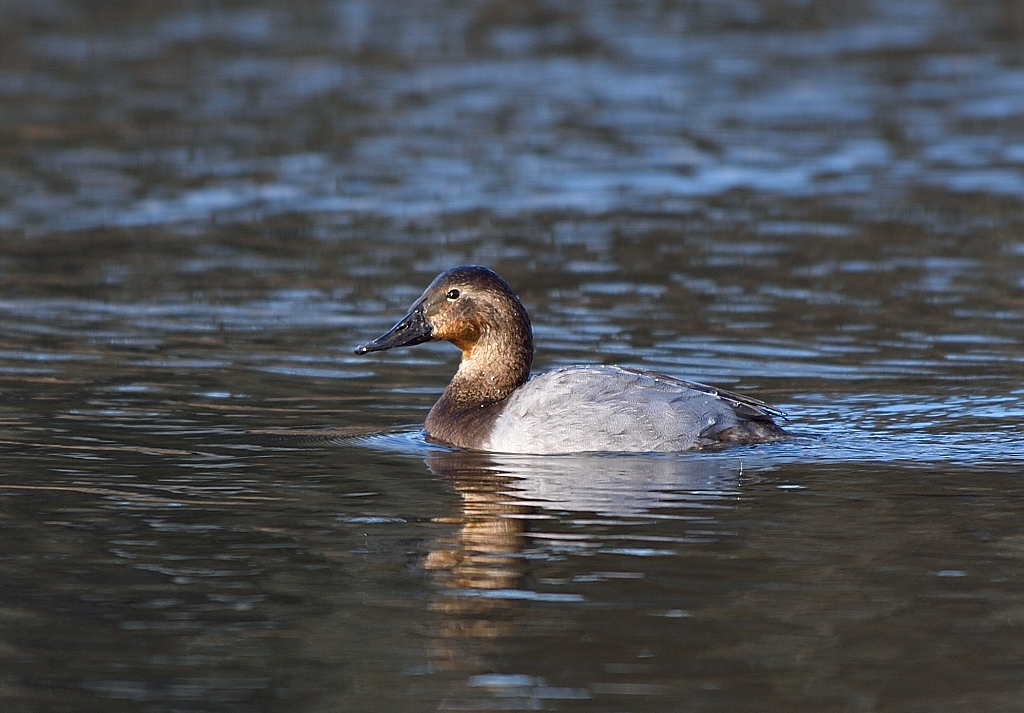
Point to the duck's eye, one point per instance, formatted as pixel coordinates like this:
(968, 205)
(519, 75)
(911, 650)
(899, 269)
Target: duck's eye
(453, 295)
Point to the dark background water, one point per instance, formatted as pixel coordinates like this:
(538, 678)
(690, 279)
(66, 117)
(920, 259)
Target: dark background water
(211, 504)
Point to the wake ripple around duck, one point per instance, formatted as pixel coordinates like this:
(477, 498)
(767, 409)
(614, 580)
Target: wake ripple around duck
(411, 441)
(916, 429)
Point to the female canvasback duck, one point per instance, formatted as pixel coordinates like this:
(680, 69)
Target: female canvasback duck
(492, 404)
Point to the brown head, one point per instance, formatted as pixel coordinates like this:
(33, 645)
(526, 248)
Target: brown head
(475, 310)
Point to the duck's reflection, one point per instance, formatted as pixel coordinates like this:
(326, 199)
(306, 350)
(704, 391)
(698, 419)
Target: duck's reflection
(482, 555)
(505, 498)
(511, 508)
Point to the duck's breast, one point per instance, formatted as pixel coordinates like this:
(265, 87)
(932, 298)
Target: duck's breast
(605, 408)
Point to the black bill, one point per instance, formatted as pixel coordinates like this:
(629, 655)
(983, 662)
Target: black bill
(411, 329)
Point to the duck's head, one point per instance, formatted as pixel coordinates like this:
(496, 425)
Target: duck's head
(469, 306)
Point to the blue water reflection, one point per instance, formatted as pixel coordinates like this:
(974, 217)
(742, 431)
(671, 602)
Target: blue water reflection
(630, 112)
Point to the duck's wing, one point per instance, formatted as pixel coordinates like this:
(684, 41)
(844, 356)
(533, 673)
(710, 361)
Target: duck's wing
(607, 408)
(745, 406)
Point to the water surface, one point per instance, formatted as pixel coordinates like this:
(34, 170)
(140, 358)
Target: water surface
(211, 504)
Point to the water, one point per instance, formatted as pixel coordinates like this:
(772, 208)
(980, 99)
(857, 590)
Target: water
(211, 504)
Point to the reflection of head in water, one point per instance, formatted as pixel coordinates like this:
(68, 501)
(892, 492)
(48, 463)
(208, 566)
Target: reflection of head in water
(481, 557)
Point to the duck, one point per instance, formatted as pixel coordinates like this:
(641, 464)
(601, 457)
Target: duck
(492, 403)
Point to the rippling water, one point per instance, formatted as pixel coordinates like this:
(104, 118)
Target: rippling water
(211, 504)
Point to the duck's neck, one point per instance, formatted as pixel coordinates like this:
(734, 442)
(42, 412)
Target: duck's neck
(491, 369)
